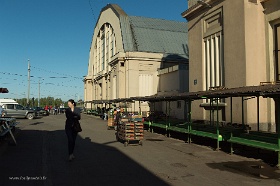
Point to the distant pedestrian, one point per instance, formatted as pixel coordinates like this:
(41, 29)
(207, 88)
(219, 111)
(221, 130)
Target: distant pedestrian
(51, 109)
(118, 118)
(72, 114)
(60, 109)
(55, 110)
(1, 111)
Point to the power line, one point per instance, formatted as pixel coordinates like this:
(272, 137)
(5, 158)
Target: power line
(94, 16)
(53, 72)
(8, 73)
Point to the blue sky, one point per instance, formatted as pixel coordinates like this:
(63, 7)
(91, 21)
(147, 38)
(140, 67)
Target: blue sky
(55, 35)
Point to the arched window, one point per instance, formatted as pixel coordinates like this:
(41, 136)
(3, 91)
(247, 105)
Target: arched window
(113, 43)
(105, 48)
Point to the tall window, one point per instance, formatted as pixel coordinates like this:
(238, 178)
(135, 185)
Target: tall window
(114, 87)
(213, 50)
(95, 60)
(105, 46)
(213, 60)
(277, 50)
(146, 84)
(98, 54)
(112, 44)
(103, 51)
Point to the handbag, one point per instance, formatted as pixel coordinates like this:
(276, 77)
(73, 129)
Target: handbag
(77, 126)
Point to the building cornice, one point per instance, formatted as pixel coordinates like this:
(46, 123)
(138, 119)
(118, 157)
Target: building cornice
(87, 78)
(263, 1)
(197, 8)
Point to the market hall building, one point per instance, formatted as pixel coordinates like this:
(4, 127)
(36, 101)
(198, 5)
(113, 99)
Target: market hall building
(234, 43)
(132, 56)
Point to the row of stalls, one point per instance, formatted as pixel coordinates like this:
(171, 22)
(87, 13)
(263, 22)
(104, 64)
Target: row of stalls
(7, 125)
(215, 129)
(131, 126)
(97, 106)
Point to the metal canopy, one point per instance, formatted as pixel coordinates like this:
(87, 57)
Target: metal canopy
(261, 90)
(271, 90)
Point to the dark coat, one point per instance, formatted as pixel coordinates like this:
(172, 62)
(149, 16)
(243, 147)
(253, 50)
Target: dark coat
(118, 117)
(71, 117)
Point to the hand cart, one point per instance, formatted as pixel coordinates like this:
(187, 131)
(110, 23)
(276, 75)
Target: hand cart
(131, 131)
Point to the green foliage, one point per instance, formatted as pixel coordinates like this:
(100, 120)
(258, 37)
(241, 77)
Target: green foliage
(43, 102)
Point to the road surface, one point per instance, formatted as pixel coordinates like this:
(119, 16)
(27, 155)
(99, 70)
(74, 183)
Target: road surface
(40, 158)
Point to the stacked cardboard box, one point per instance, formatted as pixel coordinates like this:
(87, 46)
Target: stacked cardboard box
(131, 129)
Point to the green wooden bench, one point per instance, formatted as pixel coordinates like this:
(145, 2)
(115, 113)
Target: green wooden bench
(182, 128)
(254, 143)
(265, 134)
(175, 122)
(261, 140)
(166, 124)
(159, 125)
(207, 134)
(210, 131)
(147, 125)
(267, 139)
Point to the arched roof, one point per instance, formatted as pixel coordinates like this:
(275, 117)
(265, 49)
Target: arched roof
(144, 34)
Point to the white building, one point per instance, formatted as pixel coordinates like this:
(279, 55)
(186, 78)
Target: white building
(133, 56)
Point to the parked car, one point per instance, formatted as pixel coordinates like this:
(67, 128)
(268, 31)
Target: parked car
(15, 110)
(41, 111)
(62, 110)
(81, 109)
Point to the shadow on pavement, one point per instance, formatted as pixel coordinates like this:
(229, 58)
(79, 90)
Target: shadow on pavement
(251, 168)
(36, 123)
(43, 155)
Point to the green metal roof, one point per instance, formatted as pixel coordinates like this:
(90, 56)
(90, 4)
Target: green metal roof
(144, 34)
(158, 35)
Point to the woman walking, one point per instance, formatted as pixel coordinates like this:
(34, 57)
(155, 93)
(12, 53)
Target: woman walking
(72, 115)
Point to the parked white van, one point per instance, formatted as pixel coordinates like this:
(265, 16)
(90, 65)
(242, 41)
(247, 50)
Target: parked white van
(7, 101)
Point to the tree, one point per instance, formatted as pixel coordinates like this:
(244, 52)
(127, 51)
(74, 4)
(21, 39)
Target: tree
(43, 102)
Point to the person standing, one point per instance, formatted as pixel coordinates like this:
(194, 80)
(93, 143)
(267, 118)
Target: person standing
(72, 113)
(1, 111)
(118, 118)
(55, 110)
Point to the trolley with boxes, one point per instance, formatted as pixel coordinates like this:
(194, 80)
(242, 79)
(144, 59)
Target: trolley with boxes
(131, 130)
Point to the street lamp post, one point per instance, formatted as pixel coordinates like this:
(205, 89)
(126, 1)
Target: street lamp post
(39, 94)
(28, 91)
(39, 91)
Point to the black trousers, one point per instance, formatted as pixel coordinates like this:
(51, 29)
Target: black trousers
(71, 135)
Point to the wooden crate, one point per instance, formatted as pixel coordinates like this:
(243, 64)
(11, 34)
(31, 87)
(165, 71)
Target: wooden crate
(111, 122)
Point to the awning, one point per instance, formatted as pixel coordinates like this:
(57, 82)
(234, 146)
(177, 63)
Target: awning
(267, 90)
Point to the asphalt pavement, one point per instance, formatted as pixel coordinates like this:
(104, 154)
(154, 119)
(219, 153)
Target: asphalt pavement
(40, 158)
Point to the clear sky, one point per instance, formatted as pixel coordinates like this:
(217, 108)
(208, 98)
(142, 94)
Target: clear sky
(55, 35)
